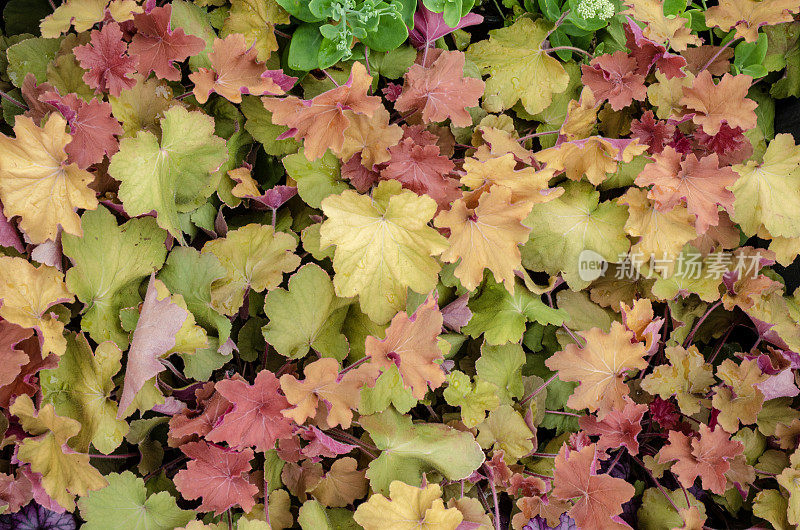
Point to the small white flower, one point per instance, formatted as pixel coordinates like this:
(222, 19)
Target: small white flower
(602, 9)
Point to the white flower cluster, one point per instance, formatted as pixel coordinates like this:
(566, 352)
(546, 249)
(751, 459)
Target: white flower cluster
(603, 9)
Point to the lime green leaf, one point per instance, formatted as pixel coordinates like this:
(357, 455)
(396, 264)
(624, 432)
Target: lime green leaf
(31, 56)
(474, 399)
(315, 180)
(124, 505)
(502, 366)
(109, 264)
(505, 430)
(387, 391)
(501, 316)
(259, 125)
(80, 388)
(518, 68)
(563, 228)
(190, 274)
(255, 257)
(307, 316)
(409, 450)
(173, 175)
(657, 513)
(314, 516)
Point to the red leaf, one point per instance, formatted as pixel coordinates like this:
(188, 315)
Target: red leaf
(12, 359)
(613, 77)
(648, 53)
(105, 59)
(618, 428)
(190, 424)
(441, 90)
(422, 169)
(256, 419)
(655, 133)
(219, 476)
(157, 46)
(92, 127)
(430, 26)
(322, 445)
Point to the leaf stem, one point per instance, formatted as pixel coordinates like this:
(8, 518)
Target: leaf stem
(722, 342)
(719, 52)
(543, 455)
(329, 76)
(490, 476)
(354, 365)
(541, 387)
(13, 101)
(700, 322)
(557, 24)
(111, 457)
(534, 135)
(658, 484)
(562, 413)
(570, 49)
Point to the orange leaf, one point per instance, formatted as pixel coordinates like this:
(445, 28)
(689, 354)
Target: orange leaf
(322, 385)
(235, 70)
(321, 121)
(618, 428)
(725, 102)
(599, 497)
(706, 457)
(487, 237)
(748, 15)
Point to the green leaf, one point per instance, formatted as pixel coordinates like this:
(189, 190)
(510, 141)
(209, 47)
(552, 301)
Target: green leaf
(506, 430)
(387, 391)
(203, 362)
(657, 513)
(474, 399)
(315, 180)
(124, 505)
(304, 48)
(194, 20)
(31, 56)
(80, 388)
(21, 16)
(502, 367)
(566, 226)
(390, 33)
(314, 516)
(409, 450)
(109, 264)
(299, 9)
(501, 316)
(308, 315)
(190, 274)
(173, 175)
(674, 7)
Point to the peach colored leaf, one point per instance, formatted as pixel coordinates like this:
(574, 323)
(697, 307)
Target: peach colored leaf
(701, 183)
(619, 427)
(411, 343)
(746, 16)
(486, 237)
(600, 367)
(322, 385)
(235, 70)
(321, 121)
(724, 102)
(599, 498)
(706, 456)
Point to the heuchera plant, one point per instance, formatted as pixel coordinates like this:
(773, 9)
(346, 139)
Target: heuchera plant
(388, 264)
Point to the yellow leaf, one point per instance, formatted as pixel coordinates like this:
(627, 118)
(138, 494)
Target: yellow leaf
(408, 508)
(27, 293)
(527, 184)
(384, 246)
(739, 399)
(686, 377)
(518, 67)
(37, 184)
(64, 473)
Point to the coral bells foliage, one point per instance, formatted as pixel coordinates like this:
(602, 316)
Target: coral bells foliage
(513, 265)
